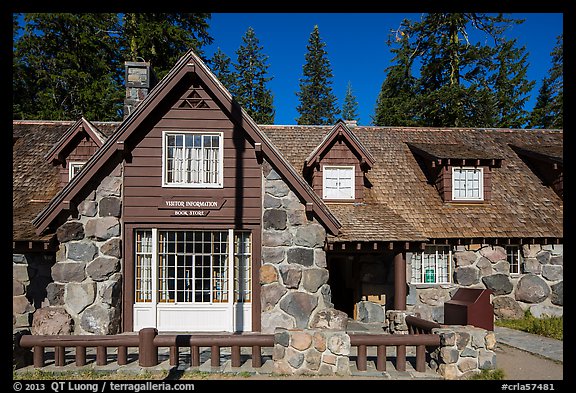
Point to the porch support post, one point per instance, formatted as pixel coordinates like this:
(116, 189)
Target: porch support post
(399, 280)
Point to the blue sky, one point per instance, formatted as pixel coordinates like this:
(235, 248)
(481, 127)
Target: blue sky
(357, 50)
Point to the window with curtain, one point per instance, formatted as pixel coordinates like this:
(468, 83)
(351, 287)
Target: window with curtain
(193, 159)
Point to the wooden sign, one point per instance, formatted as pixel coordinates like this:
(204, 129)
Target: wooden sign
(191, 207)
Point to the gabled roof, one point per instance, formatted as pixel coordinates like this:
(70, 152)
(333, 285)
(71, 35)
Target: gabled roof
(71, 136)
(35, 181)
(401, 202)
(188, 64)
(340, 129)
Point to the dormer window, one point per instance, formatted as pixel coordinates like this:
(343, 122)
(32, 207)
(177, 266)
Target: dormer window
(467, 184)
(74, 168)
(460, 173)
(338, 182)
(547, 162)
(336, 169)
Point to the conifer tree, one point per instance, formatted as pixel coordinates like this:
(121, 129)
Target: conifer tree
(350, 106)
(82, 80)
(87, 78)
(396, 103)
(548, 111)
(251, 76)
(162, 38)
(221, 68)
(317, 101)
(510, 84)
(455, 86)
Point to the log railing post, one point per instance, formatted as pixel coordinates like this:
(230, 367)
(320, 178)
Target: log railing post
(361, 358)
(80, 356)
(59, 353)
(215, 356)
(235, 356)
(38, 356)
(148, 352)
(174, 355)
(194, 355)
(401, 357)
(122, 355)
(381, 358)
(101, 355)
(256, 356)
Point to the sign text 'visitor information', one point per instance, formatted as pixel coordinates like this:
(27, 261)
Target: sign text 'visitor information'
(191, 207)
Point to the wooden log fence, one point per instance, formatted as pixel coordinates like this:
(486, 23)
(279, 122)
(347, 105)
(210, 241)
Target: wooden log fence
(148, 341)
(400, 341)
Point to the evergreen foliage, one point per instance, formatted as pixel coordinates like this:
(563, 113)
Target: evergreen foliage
(548, 111)
(86, 79)
(317, 101)
(221, 68)
(162, 38)
(350, 106)
(56, 84)
(250, 76)
(459, 83)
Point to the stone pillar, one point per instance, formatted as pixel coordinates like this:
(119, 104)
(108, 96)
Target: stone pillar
(463, 351)
(311, 352)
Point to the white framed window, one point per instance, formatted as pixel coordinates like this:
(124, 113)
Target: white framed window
(432, 266)
(338, 182)
(467, 184)
(192, 159)
(73, 169)
(181, 266)
(514, 257)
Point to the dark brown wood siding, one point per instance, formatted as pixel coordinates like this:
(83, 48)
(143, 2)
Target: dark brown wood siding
(339, 154)
(143, 192)
(85, 148)
(242, 190)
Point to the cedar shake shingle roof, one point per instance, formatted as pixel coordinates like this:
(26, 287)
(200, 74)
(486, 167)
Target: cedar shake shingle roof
(520, 205)
(453, 150)
(552, 153)
(400, 206)
(34, 179)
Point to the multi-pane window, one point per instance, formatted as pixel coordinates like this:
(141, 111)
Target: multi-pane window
(514, 256)
(432, 266)
(144, 266)
(192, 266)
(73, 169)
(193, 159)
(338, 182)
(467, 183)
(242, 267)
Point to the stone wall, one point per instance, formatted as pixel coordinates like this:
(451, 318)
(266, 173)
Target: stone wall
(463, 351)
(539, 287)
(85, 295)
(293, 275)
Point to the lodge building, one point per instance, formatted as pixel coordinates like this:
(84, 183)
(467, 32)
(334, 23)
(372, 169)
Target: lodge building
(189, 216)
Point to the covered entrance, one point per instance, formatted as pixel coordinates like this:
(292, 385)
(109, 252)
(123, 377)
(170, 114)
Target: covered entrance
(362, 271)
(192, 280)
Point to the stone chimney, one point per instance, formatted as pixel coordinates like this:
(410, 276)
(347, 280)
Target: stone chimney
(139, 80)
(351, 123)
